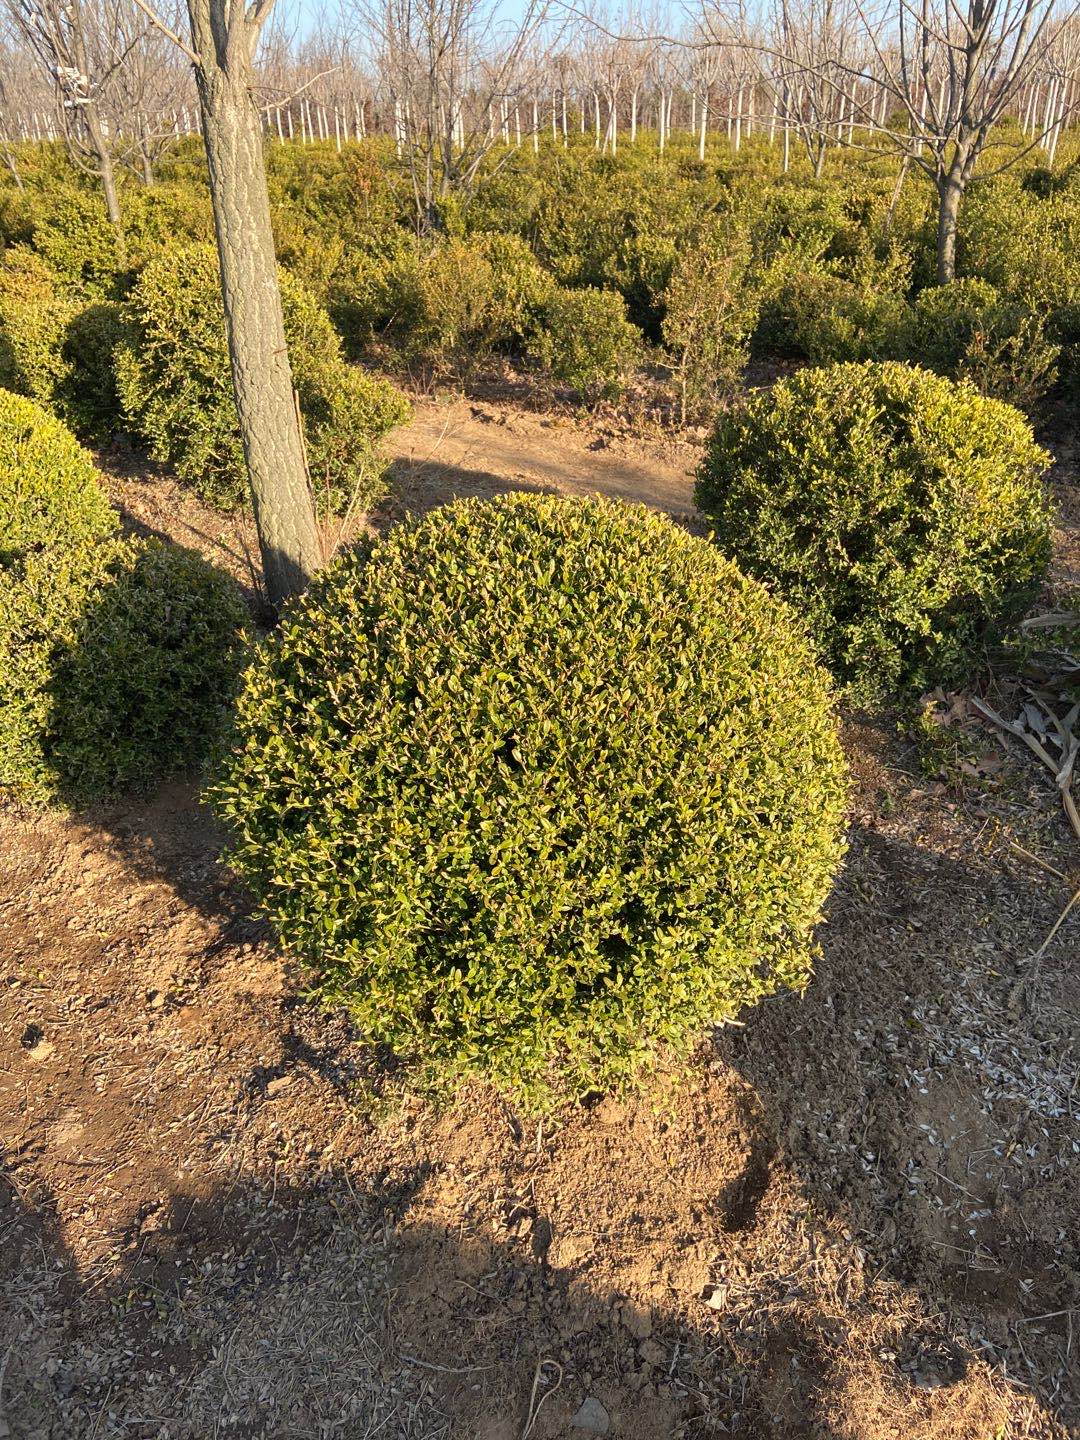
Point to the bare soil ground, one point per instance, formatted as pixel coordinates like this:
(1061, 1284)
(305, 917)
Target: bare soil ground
(856, 1216)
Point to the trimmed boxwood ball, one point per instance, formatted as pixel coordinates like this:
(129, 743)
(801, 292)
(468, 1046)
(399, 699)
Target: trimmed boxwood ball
(175, 386)
(536, 786)
(902, 513)
(118, 661)
(50, 492)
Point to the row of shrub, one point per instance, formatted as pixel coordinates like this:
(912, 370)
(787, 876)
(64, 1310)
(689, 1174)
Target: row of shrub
(825, 270)
(157, 364)
(461, 298)
(576, 262)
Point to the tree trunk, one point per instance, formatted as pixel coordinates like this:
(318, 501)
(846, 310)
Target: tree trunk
(106, 174)
(11, 164)
(262, 378)
(950, 193)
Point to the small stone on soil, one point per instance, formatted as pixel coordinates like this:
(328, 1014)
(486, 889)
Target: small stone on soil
(592, 1418)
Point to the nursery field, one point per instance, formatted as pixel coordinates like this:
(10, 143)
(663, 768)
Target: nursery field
(601, 961)
(202, 1235)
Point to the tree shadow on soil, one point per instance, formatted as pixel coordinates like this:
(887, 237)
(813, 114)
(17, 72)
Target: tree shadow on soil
(276, 1310)
(780, 1248)
(420, 484)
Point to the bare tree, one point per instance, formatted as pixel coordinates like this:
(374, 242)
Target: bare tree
(17, 85)
(224, 37)
(951, 70)
(456, 75)
(1050, 98)
(81, 47)
(810, 48)
(147, 92)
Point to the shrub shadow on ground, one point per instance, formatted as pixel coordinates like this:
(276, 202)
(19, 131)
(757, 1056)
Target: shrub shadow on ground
(202, 1234)
(468, 451)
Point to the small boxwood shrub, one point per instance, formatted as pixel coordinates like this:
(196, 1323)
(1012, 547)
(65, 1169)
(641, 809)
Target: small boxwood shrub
(73, 233)
(50, 493)
(371, 291)
(58, 348)
(161, 215)
(454, 302)
(711, 312)
(535, 786)
(520, 289)
(824, 316)
(445, 314)
(117, 663)
(86, 394)
(16, 218)
(34, 317)
(902, 513)
(175, 386)
(967, 331)
(586, 341)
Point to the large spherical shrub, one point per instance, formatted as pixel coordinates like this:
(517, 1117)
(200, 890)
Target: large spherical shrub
(117, 664)
(50, 493)
(535, 785)
(175, 385)
(901, 512)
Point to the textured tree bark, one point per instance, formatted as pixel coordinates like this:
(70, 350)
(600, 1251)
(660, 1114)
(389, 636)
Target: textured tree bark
(950, 193)
(262, 378)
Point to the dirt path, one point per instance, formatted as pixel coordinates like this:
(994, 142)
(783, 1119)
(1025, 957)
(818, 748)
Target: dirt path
(449, 449)
(467, 448)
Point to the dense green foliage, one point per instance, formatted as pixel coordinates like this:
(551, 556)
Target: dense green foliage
(117, 655)
(714, 259)
(449, 303)
(86, 395)
(903, 514)
(56, 346)
(72, 233)
(174, 382)
(34, 317)
(586, 341)
(50, 494)
(711, 311)
(967, 331)
(536, 786)
(117, 662)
